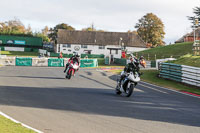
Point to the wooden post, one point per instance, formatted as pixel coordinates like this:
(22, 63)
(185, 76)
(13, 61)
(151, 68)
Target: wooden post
(148, 56)
(155, 56)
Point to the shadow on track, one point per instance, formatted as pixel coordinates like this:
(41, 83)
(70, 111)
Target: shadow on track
(101, 102)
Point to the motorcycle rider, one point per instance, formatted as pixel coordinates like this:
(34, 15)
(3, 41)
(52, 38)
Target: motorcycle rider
(133, 66)
(75, 58)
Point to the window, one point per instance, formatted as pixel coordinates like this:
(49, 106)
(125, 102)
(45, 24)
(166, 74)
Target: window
(101, 47)
(67, 45)
(83, 46)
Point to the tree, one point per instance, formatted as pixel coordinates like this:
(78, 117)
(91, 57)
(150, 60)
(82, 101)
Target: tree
(44, 37)
(29, 30)
(88, 29)
(14, 27)
(196, 11)
(45, 30)
(151, 29)
(53, 31)
(91, 28)
(64, 26)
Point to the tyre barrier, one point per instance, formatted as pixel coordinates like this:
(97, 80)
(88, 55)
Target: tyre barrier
(180, 73)
(7, 61)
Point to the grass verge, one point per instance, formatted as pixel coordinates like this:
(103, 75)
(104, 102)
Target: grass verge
(176, 50)
(18, 53)
(8, 126)
(188, 60)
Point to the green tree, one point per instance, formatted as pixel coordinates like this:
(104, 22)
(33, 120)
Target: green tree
(45, 38)
(196, 12)
(53, 31)
(64, 26)
(151, 29)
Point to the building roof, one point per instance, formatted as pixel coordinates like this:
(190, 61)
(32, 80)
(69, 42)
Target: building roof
(191, 34)
(99, 38)
(197, 32)
(180, 40)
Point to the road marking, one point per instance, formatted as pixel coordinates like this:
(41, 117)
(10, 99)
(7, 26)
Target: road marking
(8, 117)
(171, 90)
(154, 89)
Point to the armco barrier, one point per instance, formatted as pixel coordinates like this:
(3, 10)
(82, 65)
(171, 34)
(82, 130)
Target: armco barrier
(55, 62)
(40, 62)
(181, 73)
(7, 61)
(23, 61)
(89, 63)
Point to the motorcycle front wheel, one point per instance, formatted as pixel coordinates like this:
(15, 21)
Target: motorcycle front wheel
(129, 90)
(70, 74)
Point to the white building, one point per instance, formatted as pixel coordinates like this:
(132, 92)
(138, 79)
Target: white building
(91, 42)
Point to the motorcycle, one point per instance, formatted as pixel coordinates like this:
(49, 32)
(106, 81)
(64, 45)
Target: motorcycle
(71, 70)
(128, 84)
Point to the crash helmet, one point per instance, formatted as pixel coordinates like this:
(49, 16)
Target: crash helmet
(142, 61)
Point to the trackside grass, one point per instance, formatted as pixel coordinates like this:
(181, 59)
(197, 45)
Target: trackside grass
(161, 52)
(18, 53)
(8, 126)
(188, 60)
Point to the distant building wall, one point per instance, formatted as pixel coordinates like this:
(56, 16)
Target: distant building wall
(190, 38)
(89, 49)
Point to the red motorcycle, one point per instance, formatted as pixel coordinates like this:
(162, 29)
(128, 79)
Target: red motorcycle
(72, 68)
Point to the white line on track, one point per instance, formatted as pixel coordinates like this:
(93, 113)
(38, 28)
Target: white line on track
(167, 89)
(8, 117)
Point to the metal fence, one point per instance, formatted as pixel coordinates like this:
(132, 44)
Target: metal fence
(181, 73)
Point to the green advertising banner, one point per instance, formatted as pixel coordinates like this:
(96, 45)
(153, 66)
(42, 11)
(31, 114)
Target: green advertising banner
(23, 61)
(89, 63)
(55, 62)
(107, 61)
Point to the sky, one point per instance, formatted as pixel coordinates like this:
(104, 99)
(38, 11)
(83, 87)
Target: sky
(107, 15)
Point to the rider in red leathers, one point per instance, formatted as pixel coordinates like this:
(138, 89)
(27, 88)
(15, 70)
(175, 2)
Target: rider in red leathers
(75, 58)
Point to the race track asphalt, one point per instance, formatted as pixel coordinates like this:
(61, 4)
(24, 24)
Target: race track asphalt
(42, 98)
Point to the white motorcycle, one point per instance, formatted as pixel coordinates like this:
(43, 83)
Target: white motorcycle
(128, 83)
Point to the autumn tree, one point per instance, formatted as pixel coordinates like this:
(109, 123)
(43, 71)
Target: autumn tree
(45, 31)
(14, 27)
(151, 29)
(29, 30)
